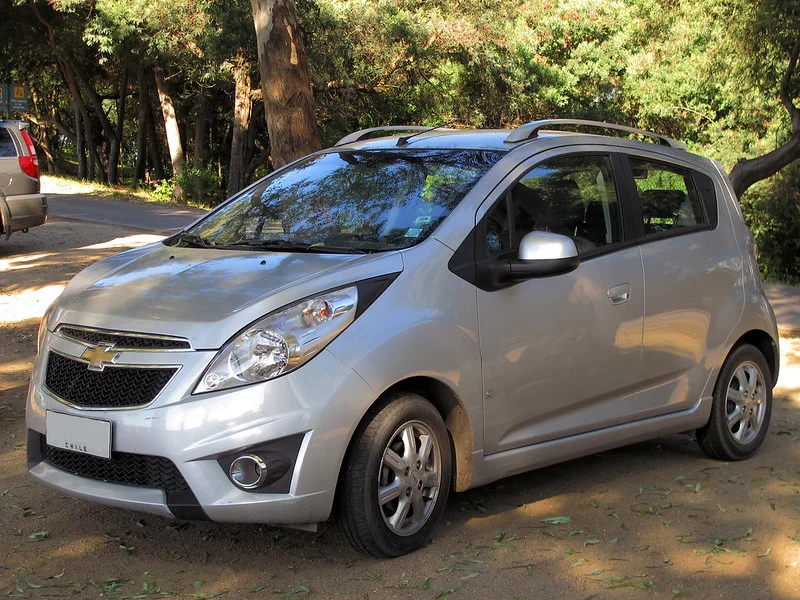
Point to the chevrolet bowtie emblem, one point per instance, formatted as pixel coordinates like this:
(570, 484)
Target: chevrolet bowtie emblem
(99, 357)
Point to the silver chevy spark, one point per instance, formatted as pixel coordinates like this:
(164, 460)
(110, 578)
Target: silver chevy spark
(382, 322)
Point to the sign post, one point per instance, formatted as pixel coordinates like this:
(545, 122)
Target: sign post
(4, 107)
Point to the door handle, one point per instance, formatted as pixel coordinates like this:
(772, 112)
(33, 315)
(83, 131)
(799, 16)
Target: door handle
(619, 294)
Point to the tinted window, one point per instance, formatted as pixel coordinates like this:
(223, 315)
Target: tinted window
(574, 196)
(667, 196)
(7, 149)
(365, 200)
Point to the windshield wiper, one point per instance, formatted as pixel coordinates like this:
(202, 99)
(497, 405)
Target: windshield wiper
(197, 241)
(288, 246)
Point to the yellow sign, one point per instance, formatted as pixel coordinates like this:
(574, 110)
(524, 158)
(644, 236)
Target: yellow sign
(19, 91)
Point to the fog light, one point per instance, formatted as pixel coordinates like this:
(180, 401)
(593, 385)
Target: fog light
(248, 471)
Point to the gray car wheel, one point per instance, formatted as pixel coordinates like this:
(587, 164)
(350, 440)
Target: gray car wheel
(396, 479)
(742, 407)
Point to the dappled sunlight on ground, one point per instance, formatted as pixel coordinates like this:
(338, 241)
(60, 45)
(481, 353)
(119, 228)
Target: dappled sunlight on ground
(28, 303)
(22, 262)
(789, 377)
(131, 241)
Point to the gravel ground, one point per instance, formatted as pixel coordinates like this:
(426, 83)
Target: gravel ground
(653, 520)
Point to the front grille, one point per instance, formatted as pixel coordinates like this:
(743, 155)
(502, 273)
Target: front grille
(113, 387)
(125, 468)
(123, 341)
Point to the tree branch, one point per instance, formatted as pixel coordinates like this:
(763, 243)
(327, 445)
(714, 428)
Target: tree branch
(747, 172)
(51, 38)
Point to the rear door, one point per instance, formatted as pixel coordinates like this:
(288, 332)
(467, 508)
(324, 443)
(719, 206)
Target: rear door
(692, 269)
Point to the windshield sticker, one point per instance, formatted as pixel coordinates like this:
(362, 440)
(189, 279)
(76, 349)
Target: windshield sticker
(422, 222)
(412, 233)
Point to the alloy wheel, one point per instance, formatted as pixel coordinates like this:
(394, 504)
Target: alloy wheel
(409, 478)
(746, 402)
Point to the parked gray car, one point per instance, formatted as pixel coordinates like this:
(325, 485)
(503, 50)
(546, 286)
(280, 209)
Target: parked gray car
(21, 204)
(394, 318)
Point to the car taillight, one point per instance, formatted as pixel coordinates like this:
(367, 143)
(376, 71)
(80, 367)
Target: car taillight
(29, 164)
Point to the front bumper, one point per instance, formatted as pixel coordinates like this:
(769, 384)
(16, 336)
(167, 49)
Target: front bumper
(320, 402)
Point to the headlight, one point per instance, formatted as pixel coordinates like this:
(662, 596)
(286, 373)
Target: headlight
(282, 341)
(43, 324)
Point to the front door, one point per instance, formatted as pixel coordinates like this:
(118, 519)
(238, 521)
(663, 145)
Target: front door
(560, 354)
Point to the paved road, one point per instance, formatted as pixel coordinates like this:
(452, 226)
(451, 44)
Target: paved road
(151, 217)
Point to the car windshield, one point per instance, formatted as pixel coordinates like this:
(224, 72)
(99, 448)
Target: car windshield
(348, 201)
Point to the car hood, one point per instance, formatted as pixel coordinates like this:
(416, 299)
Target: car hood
(204, 295)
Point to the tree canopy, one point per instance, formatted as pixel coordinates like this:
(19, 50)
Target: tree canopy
(143, 90)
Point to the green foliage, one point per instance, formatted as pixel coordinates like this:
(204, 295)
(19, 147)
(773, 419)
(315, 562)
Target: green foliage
(772, 211)
(202, 187)
(162, 192)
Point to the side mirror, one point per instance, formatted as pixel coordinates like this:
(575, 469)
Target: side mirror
(541, 245)
(541, 254)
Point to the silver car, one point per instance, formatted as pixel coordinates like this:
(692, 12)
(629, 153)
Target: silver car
(395, 318)
(21, 204)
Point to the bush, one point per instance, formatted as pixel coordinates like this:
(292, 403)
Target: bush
(772, 211)
(201, 186)
(162, 192)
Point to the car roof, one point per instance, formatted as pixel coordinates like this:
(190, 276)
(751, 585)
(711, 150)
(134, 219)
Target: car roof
(420, 137)
(459, 139)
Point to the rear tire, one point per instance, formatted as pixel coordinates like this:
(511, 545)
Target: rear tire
(396, 477)
(741, 408)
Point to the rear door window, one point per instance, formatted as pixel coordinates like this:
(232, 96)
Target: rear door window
(668, 197)
(7, 148)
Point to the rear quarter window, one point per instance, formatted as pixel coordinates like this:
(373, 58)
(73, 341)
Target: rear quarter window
(7, 148)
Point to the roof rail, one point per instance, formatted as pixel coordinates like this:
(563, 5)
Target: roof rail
(18, 122)
(529, 131)
(357, 136)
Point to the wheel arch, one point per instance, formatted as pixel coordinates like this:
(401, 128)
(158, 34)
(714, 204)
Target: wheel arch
(765, 343)
(455, 417)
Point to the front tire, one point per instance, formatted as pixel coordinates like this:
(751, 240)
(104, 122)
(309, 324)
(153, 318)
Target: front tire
(396, 477)
(741, 408)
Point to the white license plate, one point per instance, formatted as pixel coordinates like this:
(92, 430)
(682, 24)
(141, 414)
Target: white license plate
(78, 434)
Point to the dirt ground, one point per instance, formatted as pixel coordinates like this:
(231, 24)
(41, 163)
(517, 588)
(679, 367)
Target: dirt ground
(654, 520)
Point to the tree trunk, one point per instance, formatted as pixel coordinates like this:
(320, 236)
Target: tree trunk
(152, 137)
(108, 131)
(141, 130)
(81, 118)
(285, 81)
(200, 133)
(172, 129)
(115, 142)
(242, 108)
(749, 171)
